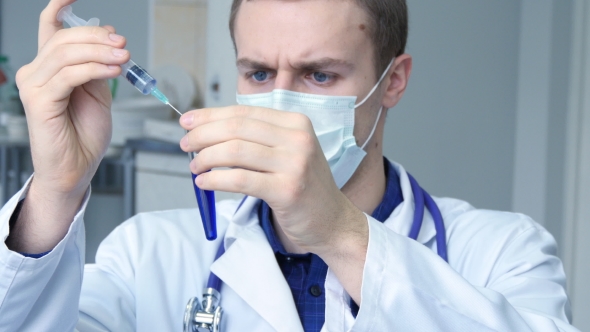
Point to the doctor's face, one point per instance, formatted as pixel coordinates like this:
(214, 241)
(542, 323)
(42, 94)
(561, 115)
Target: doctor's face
(318, 47)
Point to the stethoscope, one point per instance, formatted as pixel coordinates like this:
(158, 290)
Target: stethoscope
(206, 316)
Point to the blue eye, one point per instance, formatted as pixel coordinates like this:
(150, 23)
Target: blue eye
(320, 77)
(260, 76)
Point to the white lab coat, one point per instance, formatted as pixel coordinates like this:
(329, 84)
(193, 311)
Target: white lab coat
(502, 275)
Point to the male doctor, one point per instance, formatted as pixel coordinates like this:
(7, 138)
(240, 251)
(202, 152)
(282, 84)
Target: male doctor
(321, 242)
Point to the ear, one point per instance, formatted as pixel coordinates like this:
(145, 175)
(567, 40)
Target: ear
(397, 80)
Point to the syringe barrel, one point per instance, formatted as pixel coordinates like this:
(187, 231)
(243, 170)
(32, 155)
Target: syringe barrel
(133, 73)
(137, 76)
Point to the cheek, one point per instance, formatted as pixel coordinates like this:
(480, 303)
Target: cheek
(364, 119)
(242, 87)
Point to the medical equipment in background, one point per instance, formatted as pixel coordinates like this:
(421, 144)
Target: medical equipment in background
(206, 317)
(146, 84)
(10, 104)
(128, 119)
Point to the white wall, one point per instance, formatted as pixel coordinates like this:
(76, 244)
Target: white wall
(19, 21)
(221, 57)
(454, 129)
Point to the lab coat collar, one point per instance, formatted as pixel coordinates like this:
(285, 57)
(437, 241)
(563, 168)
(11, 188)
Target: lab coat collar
(400, 220)
(260, 281)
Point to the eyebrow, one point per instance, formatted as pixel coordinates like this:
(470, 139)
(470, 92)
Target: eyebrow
(322, 64)
(251, 64)
(314, 65)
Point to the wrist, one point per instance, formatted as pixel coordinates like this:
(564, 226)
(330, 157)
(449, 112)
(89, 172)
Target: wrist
(44, 219)
(49, 190)
(347, 251)
(348, 241)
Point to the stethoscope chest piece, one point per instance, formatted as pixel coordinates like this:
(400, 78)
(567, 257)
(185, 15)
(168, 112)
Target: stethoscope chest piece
(205, 317)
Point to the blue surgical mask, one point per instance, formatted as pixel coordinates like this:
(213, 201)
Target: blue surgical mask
(333, 122)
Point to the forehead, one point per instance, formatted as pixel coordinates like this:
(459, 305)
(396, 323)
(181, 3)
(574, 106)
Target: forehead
(301, 29)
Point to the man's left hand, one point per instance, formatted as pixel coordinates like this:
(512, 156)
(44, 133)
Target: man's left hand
(275, 156)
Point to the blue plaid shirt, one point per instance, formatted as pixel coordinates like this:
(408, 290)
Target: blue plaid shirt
(306, 273)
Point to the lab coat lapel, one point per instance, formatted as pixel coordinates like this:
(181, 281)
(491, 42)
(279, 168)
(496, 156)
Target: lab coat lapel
(400, 220)
(250, 268)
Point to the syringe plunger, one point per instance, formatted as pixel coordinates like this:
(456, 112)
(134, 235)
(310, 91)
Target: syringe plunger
(66, 14)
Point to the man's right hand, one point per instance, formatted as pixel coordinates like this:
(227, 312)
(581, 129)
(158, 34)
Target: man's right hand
(67, 102)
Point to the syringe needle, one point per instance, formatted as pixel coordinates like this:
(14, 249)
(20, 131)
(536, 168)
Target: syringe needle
(174, 108)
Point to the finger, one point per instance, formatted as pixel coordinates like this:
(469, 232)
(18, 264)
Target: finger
(82, 35)
(71, 54)
(193, 119)
(237, 153)
(110, 28)
(246, 129)
(48, 23)
(70, 77)
(235, 181)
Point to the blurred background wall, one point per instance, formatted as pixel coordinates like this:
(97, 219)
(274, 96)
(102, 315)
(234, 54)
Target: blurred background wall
(20, 22)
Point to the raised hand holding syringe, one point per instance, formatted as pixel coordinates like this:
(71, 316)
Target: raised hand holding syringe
(146, 84)
(131, 71)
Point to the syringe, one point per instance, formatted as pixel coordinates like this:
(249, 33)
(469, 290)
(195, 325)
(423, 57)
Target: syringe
(132, 72)
(146, 84)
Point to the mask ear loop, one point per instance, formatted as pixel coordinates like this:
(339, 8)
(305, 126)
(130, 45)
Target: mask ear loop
(381, 109)
(373, 130)
(376, 85)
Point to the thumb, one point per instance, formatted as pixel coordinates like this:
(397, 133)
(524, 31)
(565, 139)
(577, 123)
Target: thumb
(48, 23)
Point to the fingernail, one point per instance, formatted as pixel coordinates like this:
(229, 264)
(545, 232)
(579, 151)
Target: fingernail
(112, 67)
(199, 181)
(187, 119)
(119, 52)
(184, 141)
(115, 37)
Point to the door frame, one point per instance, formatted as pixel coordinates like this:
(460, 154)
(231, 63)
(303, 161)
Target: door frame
(576, 246)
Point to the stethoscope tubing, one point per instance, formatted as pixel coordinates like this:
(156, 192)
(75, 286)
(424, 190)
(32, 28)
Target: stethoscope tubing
(441, 239)
(214, 281)
(418, 208)
(422, 199)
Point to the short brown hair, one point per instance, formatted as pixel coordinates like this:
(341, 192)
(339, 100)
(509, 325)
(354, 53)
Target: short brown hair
(387, 26)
